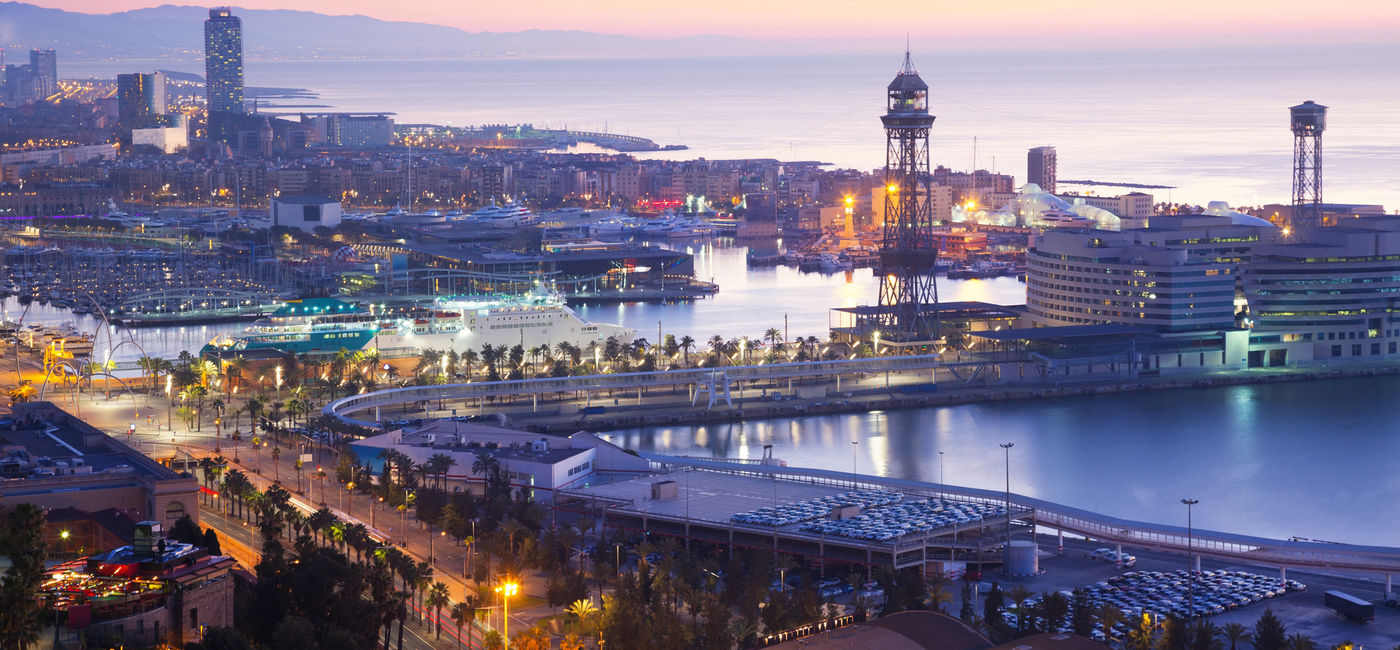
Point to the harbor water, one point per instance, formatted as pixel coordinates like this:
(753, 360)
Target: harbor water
(1310, 459)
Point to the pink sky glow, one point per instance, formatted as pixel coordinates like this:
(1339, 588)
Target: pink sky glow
(1083, 23)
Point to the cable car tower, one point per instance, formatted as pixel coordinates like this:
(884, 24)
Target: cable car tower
(1307, 119)
(907, 251)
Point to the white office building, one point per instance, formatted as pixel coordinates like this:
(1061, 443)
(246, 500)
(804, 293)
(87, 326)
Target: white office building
(305, 212)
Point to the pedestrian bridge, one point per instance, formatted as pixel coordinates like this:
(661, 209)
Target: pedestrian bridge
(1284, 554)
(713, 383)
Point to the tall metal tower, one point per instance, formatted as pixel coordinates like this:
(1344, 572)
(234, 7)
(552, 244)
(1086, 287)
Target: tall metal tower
(907, 252)
(1308, 119)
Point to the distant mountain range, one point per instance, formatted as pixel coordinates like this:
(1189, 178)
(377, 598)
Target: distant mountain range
(175, 32)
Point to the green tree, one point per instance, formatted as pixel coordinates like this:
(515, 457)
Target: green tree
(1300, 641)
(1235, 634)
(1019, 595)
(436, 599)
(22, 541)
(1269, 632)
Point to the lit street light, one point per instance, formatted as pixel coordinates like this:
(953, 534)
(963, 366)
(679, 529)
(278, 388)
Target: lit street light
(506, 590)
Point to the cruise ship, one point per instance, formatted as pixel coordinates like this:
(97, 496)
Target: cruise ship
(324, 325)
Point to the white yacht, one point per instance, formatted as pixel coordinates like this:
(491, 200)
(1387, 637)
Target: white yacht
(326, 325)
(506, 215)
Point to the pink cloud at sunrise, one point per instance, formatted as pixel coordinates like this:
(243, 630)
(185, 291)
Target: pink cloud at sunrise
(1011, 21)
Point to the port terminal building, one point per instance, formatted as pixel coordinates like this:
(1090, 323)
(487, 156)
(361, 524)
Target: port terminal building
(540, 463)
(56, 461)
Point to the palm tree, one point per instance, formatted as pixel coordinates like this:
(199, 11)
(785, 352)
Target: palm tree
(717, 346)
(256, 406)
(936, 593)
(438, 465)
(1109, 615)
(436, 599)
(276, 469)
(773, 336)
(464, 615)
(742, 629)
(295, 406)
(583, 610)
(1019, 595)
(486, 465)
(1235, 634)
(236, 483)
(1300, 641)
(320, 521)
(1205, 636)
(150, 370)
(233, 373)
(686, 343)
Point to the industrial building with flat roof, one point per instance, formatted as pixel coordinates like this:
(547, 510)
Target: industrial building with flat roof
(54, 460)
(539, 462)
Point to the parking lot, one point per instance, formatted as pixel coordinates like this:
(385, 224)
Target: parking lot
(1300, 610)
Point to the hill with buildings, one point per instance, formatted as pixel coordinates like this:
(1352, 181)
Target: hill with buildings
(175, 32)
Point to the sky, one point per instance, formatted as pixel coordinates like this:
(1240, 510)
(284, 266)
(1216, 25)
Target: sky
(1078, 22)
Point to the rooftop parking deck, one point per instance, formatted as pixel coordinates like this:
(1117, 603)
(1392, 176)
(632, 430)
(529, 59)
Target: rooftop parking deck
(824, 519)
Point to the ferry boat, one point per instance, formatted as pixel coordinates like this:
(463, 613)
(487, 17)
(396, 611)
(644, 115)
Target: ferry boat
(325, 325)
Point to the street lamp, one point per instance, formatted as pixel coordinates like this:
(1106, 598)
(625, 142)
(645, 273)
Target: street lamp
(1006, 550)
(854, 444)
(940, 472)
(403, 515)
(506, 589)
(1190, 577)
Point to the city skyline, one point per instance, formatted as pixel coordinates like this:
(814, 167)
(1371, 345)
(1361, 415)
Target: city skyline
(1066, 24)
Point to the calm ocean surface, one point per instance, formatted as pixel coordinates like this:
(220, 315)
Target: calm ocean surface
(1314, 459)
(1211, 122)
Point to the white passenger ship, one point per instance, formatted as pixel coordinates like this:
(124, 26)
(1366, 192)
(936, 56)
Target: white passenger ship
(325, 325)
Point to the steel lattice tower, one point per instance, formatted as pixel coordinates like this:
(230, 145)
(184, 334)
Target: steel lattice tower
(907, 252)
(1307, 119)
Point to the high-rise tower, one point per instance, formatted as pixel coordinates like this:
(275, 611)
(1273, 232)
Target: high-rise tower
(223, 71)
(907, 251)
(1040, 168)
(140, 99)
(1307, 119)
(45, 66)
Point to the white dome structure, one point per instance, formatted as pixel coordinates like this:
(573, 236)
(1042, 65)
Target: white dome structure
(1222, 209)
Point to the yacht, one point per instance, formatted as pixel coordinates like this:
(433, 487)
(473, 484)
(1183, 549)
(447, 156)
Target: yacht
(506, 215)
